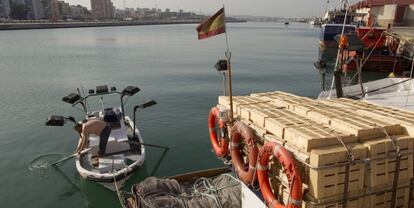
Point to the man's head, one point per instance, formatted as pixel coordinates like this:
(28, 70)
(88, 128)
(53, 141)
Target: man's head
(78, 128)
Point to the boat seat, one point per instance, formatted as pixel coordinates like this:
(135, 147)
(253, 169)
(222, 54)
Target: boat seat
(117, 141)
(113, 117)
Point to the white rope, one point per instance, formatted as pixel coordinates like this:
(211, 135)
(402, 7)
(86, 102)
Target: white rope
(121, 200)
(118, 193)
(254, 176)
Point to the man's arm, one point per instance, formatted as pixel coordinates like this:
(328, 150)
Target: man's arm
(81, 143)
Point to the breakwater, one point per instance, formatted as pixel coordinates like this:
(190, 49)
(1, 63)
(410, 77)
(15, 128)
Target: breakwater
(54, 25)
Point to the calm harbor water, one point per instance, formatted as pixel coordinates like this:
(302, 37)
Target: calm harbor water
(168, 63)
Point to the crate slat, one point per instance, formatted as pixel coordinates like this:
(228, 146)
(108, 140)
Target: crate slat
(329, 182)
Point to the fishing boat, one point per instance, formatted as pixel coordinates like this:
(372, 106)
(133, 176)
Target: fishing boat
(125, 151)
(377, 50)
(305, 152)
(293, 151)
(330, 31)
(335, 22)
(315, 22)
(371, 51)
(342, 14)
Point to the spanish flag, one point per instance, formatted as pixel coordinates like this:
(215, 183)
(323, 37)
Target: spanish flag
(213, 25)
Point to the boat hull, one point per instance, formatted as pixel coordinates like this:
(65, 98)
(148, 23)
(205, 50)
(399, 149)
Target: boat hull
(119, 175)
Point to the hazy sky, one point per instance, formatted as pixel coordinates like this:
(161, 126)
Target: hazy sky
(275, 8)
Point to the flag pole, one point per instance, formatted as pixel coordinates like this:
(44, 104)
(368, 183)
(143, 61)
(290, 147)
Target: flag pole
(228, 57)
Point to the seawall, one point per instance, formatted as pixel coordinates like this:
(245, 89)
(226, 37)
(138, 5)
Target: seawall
(55, 25)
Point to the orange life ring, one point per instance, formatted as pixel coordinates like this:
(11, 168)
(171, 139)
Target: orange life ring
(220, 148)
(289, 167)
(241, 131)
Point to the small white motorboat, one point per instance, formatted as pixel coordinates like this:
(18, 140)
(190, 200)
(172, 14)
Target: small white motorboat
(124, 152)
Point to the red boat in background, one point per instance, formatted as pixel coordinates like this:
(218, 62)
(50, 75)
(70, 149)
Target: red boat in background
(373, 50)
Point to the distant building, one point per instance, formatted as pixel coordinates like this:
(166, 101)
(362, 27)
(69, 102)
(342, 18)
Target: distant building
(78, 11)
(102, 8)
(38, 9)
(4, 9)
(45, 9)
(64, 9)
(19, 9)
(54, 10)
(386, 12)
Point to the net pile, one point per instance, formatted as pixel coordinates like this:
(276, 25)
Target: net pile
(223, 191)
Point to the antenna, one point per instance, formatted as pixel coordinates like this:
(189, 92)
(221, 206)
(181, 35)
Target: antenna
(103, 109)
(83, 94)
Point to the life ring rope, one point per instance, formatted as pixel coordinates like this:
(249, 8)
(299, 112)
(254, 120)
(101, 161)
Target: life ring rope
(289, 167)
(219, 144)
(241, 133)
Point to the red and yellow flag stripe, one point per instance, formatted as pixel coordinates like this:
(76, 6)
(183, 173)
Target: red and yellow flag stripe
(213, 25)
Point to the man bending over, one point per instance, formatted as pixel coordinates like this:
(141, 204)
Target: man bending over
(95, 126)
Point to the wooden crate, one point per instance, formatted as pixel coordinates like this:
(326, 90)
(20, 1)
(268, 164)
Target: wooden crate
(304, 108)
(260, 132)
(258, 116)
(282, 99)
(285, 102)
(248, 110)
(392, 116)
(355, 203)
(335, 103)
(283, 194)
(384, 200)
(308, 137)
(298, 153)
(412, 194)
(225, 101)
(366, 105)
(381, 172)
(272, 138)
(275, 93)
(345, 103)
(326, 183)
(310, 128)
(366, 128)
(265, 94)
(374, 110)
(277, 126)
(245, 101)
(239, 101)
(324, 116)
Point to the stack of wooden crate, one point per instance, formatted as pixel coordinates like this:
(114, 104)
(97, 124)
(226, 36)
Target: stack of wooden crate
(315, 131)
